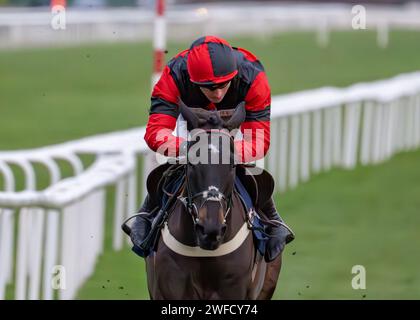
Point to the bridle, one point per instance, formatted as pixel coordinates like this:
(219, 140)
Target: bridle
(212, 194)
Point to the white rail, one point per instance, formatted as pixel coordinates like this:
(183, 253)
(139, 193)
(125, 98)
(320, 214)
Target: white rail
(312, 131)
(366, 123)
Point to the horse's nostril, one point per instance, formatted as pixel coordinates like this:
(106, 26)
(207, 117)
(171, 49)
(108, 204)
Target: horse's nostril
(210, 233)
(214, 236)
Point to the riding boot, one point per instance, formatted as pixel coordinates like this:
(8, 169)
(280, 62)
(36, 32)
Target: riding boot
(279, 233)
(141, 225)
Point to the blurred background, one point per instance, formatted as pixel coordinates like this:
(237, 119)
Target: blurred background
(92, 77)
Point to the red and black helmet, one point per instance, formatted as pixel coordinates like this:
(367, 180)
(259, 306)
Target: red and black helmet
(211, 61)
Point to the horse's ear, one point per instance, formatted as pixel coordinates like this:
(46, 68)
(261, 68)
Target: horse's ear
(237, 118)
(189, 116)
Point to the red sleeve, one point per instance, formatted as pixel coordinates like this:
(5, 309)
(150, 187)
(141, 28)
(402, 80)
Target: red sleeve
(256, 128)
(159, 135)
(166, 87)
(163, 115)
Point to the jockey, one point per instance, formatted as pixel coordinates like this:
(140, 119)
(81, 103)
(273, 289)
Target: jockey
(214, 76)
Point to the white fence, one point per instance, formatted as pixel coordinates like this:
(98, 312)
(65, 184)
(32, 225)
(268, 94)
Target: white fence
(63, 224)
(311, 131)
(21, 28)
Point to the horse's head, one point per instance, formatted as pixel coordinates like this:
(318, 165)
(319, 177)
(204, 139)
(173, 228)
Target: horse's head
(210, 171)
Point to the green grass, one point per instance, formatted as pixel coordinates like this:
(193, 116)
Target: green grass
(342, 218)
(370, 217)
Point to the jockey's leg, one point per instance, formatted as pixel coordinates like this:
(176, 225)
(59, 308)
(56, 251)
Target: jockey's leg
(280, 233)
(143, 221)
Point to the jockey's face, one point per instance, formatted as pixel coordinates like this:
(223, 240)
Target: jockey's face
(217, 93)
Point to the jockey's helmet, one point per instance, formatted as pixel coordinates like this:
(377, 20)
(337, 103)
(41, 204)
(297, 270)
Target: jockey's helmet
(211, 61)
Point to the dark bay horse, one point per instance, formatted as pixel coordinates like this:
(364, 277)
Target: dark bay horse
(206, 250)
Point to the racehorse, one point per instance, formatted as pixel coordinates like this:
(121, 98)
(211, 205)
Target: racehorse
(206, 249)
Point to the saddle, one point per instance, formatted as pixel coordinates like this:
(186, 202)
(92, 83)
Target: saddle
(260, 187)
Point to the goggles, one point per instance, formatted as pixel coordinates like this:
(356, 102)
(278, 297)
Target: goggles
(213, 87)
